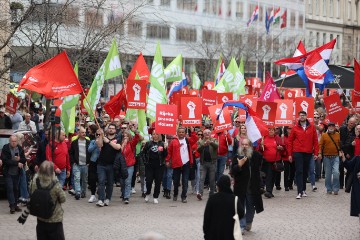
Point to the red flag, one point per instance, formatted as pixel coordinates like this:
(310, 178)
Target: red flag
(283, 17)
(140, 68)
(356, 76)
(53, 78)
(270, 92)
(113, 107)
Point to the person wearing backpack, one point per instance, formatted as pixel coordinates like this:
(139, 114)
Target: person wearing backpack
(49, 218)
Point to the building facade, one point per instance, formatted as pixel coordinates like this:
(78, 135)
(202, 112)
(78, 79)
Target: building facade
(4, 49)
(329, 19)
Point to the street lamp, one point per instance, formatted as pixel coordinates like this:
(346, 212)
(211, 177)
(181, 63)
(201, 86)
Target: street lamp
(7, 59)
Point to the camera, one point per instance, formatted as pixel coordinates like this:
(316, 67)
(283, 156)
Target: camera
(54, 119)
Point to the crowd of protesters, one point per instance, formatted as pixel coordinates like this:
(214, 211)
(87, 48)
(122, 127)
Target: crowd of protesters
(112, 152)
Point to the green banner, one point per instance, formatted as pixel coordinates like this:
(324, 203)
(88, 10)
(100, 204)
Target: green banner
(157, 92)
(173, 72)
(110, 68)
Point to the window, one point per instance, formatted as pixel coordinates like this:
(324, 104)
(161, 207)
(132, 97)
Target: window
(157, 31)
(301, 21)
(212, 6)
(349, 9)
(186, 4)
(337, 41)
(234, 39)
(239, 10)
(229, 8)
(292, 19)
(186, 34)
(311, 36)
(310, 6)
(331, 37)
(317, 7)
(165, 2)
(337, 8)
(114, 18)
(317, 39)
(93, 18)
(71, 16)
(331, 8)
(134, 28)
(210, 37)
(324, 38)
(324, 7)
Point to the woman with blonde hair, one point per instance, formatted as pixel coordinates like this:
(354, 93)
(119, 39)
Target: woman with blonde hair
(51, 228)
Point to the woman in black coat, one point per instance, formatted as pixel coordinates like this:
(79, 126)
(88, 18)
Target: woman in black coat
(219, 212)
(354, 166)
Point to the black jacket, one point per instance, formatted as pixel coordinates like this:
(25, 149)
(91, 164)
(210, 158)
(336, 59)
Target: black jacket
(41, 152)
(354, 166)
(74, 152)
(346, 138)
(7, 158)
(218, 216)
(246, 183)
(7, 122)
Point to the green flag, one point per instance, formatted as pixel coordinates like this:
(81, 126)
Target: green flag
(173, 72)
(232, 80)
(241, 66)
(68, 109)
(196, 82)
(157, 92)
(110, 68)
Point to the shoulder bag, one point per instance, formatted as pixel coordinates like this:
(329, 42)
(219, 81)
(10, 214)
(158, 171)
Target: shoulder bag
(237, 229)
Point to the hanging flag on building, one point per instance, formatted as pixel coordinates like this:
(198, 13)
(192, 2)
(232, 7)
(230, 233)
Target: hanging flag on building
(254, 16)
(267, 22)
(157, 93)
(283, 19)
(110, 68)
(277, 16)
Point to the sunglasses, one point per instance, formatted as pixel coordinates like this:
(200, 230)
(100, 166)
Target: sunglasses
(97, 134)
(237, 121)
(200, 134)
(123, 128)
(112, 128)
(316, 117)
(126, 123)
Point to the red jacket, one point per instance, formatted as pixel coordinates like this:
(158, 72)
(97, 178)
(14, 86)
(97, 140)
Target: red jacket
(174, 153)
(357, 147)
(61, 156)
(224, 141)
(194, 148)
(285, 154)
(304, 141)
(270, 152)
(129, 151)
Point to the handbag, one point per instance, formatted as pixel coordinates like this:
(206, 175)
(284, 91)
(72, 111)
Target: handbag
(237, 229)
(279, 166)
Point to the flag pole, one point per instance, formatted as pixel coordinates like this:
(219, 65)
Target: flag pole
(272, 44)
(257, 41)
(87, 101)
(346, 97)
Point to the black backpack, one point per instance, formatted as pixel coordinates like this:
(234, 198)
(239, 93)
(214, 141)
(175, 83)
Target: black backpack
(41, 203)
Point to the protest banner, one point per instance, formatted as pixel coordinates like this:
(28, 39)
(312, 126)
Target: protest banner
(136, 94)
(305, 104)
(335, 111)
(251, 100)
(224, 121)
(166, 119)
(209, 85)
(284, 113)
(208, 99)
(267, 112)
(11, 103)
(191, 109)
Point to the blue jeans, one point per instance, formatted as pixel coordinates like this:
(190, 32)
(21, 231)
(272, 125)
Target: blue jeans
(126, 184)
(221, 162)
(167, 178)
(197, 176)
(105, 175)
(312, 171)
(332, 170)
(23, 184)
(184, 171)
(249, 208)
(80, 173)
(62, 177)
(12, 188)
(302, 168)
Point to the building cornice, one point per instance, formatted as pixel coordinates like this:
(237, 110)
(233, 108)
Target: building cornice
(332, 24)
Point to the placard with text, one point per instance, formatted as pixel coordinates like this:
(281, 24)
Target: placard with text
(166, 119)
(191, 109)
(136, 94)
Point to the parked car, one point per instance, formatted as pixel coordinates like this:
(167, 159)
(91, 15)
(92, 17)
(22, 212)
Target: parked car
(30, 141)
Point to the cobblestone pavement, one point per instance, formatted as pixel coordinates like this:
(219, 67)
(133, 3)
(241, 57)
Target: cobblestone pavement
(319, 216)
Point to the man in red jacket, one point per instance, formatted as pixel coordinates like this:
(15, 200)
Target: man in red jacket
(224, 139)
(180, 158)
(302, 143)
(61, 157)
